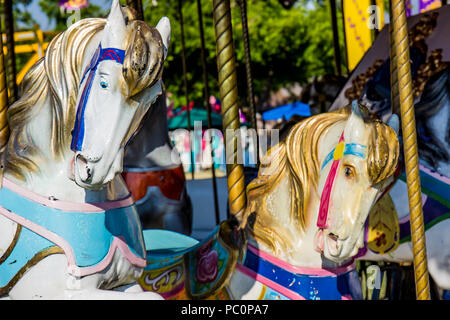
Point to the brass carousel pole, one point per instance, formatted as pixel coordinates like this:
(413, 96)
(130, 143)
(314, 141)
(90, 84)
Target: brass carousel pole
(4, 128)
(208, 107)
(11, 57)
(137, 5)
(226, 66)
(405, 99)
(395, 107)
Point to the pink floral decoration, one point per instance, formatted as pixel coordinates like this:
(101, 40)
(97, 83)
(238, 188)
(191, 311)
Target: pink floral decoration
(207, 265)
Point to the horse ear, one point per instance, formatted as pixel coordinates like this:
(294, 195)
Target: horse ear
(355, 127)
(114, 33)
(394, 123)
(163, 27)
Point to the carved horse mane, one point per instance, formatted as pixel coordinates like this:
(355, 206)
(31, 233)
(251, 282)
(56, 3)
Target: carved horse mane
(434, 98)
(54, 80)
(297, 159)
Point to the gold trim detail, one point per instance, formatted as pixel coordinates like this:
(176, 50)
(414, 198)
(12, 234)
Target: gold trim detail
(33, 261)
(12, 245)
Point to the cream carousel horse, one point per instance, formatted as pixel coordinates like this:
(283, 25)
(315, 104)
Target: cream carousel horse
(68, 226)
(304, 220)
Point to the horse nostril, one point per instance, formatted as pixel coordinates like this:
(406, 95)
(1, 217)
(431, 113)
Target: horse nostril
(81, 160)
(83, 168)
(88, 158)
(333, 236)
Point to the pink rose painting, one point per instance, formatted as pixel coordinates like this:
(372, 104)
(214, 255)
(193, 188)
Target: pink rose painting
(207, 263)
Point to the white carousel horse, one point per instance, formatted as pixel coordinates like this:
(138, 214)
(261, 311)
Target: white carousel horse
(304, 219)
(68, 226)
(154, 174)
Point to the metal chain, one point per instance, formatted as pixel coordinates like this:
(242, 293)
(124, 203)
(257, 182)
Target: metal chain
(208, 107)
(251, 97)
(183, 60)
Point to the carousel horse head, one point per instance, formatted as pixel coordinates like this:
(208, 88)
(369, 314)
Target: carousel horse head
(317, 187)
(121, 81)
(88, 96)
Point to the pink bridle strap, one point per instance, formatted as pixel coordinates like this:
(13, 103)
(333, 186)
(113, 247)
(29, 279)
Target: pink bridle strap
(326, 193)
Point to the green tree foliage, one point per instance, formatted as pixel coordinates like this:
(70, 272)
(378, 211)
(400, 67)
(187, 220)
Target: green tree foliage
(22, 17)
(286, 45)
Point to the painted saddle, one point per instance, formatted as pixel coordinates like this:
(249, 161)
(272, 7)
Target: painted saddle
(161, 198)
(180, 267)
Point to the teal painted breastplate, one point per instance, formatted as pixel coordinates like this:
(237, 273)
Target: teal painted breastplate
(89, 239)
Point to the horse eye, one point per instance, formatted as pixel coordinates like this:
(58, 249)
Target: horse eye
(349, 172)
(104, 84)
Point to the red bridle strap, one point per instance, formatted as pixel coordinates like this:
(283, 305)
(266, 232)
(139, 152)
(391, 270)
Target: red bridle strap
(326, 193)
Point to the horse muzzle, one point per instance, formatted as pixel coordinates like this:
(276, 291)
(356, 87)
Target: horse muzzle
(331, 245)
(93, 173)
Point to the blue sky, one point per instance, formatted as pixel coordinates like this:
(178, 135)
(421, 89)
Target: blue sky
(41, 18)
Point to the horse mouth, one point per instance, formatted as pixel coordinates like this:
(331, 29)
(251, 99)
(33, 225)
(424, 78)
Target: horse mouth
(94, 173)
(328, 243)
(334, 245)
(83, 169)
(83, 173)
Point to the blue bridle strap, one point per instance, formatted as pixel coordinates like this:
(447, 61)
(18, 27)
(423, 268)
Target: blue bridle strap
(353, 149)
(100, 55)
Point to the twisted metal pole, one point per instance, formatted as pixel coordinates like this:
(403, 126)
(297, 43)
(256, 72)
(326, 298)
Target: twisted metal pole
(226, 66)
(11, 57)
(395, 106)
(401, 47)
(251, 97)
(137, 5)
(208, 107)
(4, 128)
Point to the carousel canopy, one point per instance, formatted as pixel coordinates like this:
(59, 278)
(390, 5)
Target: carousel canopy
(287, 111)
